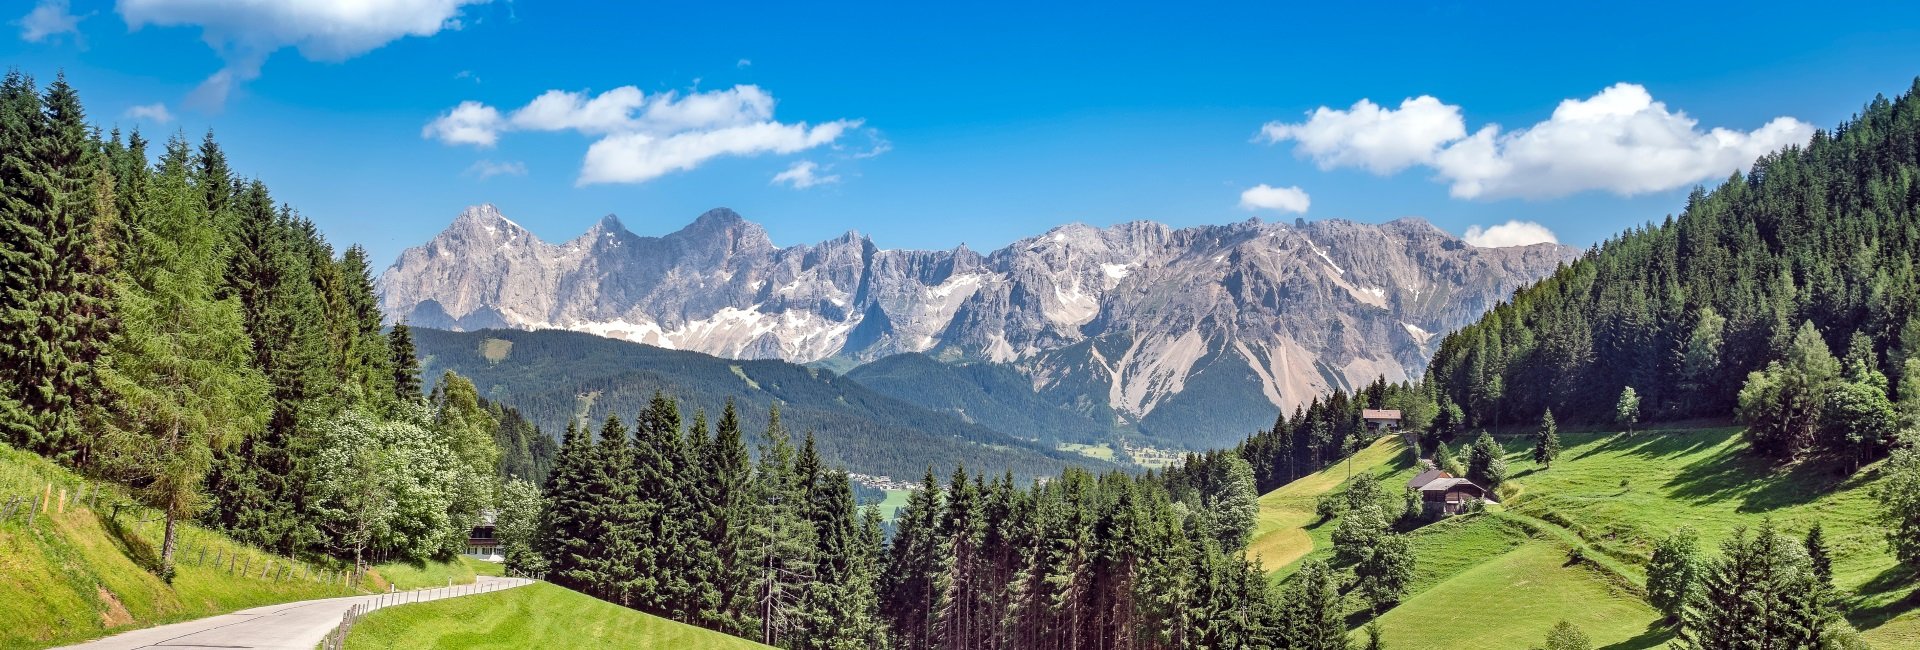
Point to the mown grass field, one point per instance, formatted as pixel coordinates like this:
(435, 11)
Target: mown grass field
(1502, 579)
(539, 615)
(408, 575)
(82, 574)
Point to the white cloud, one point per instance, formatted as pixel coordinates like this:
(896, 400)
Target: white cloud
(1620, 140)
(49, 18)
(1511, 233)
(803, 174)
(485, 169)
(640, 157)
(245, 32)
(1283, 199)
(744, 63)
(471, 123)
(1382, 140)
(155, 113)
(641, 136)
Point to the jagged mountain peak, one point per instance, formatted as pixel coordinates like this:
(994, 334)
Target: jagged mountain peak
(1119, 319)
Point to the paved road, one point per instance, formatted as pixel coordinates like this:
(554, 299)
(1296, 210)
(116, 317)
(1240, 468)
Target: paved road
(287, 626)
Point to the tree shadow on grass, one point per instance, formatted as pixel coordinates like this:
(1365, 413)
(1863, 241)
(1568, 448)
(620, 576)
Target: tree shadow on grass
(1759, 483)
(131, 544)
(1658, 444)
(1891, 580)
(1654, 636)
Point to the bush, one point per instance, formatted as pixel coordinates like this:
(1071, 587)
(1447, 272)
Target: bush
(1329, 506)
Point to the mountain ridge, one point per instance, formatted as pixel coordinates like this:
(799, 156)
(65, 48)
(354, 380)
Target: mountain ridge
(1114, 321)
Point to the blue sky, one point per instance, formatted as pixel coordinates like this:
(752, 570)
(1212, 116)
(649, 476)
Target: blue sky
(930, 125)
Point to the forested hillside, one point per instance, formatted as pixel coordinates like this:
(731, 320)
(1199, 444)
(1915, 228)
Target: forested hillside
(556, 376)
(171, 327)
(1684, 309)
(993, 395)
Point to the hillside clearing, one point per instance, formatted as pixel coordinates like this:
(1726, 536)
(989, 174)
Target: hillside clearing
(535, 616)
(1285, 531)
(1614, 496)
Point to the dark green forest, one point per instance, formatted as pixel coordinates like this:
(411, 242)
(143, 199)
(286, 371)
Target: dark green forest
(548, 374)
(1684, 311)
(165, 323)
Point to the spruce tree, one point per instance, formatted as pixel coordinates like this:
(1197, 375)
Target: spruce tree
(406, 364)
(727, 499)
(563, 541)
(782, 540)
(1546, 441)
(1486, 462)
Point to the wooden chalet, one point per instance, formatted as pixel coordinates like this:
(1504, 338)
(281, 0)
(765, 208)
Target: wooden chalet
(1443, 494)
(1381, 419)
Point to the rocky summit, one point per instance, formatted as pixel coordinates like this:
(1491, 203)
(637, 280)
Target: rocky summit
(1139, 323)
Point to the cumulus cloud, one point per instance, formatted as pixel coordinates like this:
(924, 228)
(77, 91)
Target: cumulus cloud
(471, 123)
(155, 113)
(48, 19)
(803, 174)
(642, 136)
(245, 32)
(485, 169)
(1620, 140)
(1381, 140)
(1511, 233)
(1283, 199)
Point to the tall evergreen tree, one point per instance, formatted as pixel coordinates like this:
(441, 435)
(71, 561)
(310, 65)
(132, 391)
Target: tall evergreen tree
(406, 364)
(1546, 441)
(179, 369)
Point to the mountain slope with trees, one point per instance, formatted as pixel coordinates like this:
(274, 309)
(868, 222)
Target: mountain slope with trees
(555, 376)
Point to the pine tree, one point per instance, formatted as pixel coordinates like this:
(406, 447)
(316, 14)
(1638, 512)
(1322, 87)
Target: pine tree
(1313, 610)
(260, 482)
(660, 484)
(406, 365)
(1444, 459)
(1761, 593)
(1546, 441)
(179, 369)
(782, 540)
(727, 499)
(563, 540)
(1486, 462)
(616, 515)
(1819, 557)
(908, 587)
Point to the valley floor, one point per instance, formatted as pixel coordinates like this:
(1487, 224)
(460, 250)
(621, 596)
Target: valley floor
(1501, 579)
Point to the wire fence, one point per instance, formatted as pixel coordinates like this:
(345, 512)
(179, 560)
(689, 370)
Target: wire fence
(336, 638)
(39, 508)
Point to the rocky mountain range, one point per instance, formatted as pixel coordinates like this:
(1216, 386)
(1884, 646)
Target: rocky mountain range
(1189, 335)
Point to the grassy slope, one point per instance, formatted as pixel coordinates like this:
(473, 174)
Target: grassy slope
(78, 575)
(536, 616)
(82, 574)
(1285, 530)
(1502, 577)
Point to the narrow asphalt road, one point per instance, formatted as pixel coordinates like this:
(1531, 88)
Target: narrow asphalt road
(287, 626)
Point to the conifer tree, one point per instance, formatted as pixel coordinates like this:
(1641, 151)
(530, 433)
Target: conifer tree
(1486, 462)
(1546, 441)
(782, 539)
(406, 364)
(179, 369)
(909, 590)
(660, 485)
(727, 499)
(1761, 593)
(564, 540)
(1313, 611)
